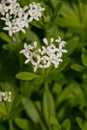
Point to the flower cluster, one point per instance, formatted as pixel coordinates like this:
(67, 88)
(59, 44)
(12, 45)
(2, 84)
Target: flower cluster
(5, 96)
(48, 54)
(17, 18)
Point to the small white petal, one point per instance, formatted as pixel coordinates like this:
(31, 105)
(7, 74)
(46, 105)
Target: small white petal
(45, 41)
(51, 40)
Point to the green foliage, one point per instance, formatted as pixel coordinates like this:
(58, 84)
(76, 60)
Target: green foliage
(50, 99)
(22, 123)
(82, 123)
(26, 76)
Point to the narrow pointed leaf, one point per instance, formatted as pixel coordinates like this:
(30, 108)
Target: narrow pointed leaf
(26, 76)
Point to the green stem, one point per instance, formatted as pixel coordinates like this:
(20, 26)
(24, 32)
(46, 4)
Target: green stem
(10, 125)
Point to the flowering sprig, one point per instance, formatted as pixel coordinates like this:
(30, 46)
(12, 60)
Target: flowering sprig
(5, 96)
(17, 18)
(48, 54)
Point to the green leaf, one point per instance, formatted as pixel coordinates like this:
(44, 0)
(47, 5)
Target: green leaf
(68, 14)
(63, 64)
(85, 76)
(5, 37)
(53, 121)
(55, 124)
(50, 32)
(66, 93)
(77, 97)
(3, 111)
(72, 45)
(32, 36)
(66, 124)
(48, 105)
(78, 67)
(54, 3)
(82, 123)
(31, 110)
(84, 59)
(8, 46)
(22, 123)
(2, 127)
(56, 11)
(37, 24)
(26, 76)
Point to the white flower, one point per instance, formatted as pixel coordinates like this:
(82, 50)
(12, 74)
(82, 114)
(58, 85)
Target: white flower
(45, 62)
(6, 96)
(35, 11)
(35, 61)
(61, 51)
(26, 50)
(46, 55)
(3, 9)
(17, 18)
(9, 28)
(61, 43)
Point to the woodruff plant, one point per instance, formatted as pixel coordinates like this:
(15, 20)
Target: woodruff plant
(49, 54)
(17, 19)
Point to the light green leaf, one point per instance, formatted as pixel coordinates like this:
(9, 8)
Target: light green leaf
(26, 76)
(5, 37)
(82, 123)
(78, 67)
(66, 124)
(55, 124)
(54, 3)
(22, 123)
(84, 59)
(31, 110)
(66, 93)
(3, 111)
(48, 105)
(68, 15)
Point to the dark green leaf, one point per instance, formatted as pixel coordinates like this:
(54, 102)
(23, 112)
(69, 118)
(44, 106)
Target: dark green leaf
(63, 64)
(72, 45)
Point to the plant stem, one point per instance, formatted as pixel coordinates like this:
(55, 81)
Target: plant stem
(10, 125)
